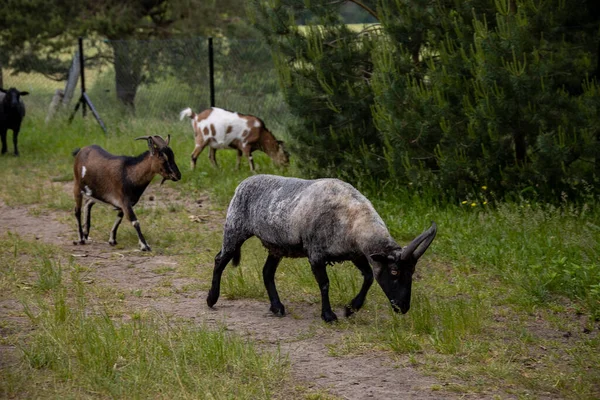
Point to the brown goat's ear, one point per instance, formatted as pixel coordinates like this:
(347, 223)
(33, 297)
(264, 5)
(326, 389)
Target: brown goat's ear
(151, 145)
(2, 90)
(168, 139)
(159, 142)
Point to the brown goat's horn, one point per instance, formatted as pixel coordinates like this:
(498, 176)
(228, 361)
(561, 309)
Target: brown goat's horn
(159, 141)
(417, 247)
(142, 138)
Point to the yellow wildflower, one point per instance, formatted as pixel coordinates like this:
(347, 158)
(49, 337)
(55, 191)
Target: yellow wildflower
(464, 202)
(473, 204)
(484, 187)
(485, 202)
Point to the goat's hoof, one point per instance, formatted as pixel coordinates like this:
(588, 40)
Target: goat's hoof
(277, 309)
(211, 299)
(76, 242)
(329, 316)
(145, 248)
(112, 242)
(348, 311)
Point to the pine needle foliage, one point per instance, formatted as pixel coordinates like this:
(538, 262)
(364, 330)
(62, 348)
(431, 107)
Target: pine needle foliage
(445, 96)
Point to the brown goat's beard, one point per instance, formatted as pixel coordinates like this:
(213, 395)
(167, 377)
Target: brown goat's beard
(163, 180)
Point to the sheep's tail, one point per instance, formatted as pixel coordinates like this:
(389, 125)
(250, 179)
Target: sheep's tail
(74, 152)
(236, 257)
(186, 113)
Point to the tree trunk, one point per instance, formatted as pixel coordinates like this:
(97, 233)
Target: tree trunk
(128, 69)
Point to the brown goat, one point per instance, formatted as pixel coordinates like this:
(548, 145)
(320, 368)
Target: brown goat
(119, 181)
(222, 129)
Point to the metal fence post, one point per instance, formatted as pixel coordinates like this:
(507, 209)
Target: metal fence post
(211, 71)
(82, 73)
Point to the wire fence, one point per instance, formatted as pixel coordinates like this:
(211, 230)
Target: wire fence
(159, 78)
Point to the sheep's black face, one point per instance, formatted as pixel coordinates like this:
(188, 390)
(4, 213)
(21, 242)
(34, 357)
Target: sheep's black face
(12, 98)
(168, 167)
(394, 269)
(394, 275)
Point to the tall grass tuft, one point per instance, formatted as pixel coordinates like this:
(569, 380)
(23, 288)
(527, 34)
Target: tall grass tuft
(149, 356)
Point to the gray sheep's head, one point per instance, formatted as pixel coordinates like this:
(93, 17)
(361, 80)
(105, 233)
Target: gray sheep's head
(160, 150)
(394, 270)
(12, 97)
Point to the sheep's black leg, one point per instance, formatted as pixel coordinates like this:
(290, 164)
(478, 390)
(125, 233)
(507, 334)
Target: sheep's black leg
(319, 269)
(269, 278)
(113, 232)
(3, 132)
(15, 137)
(136, 224)
(87, 209)
(363, 265)
(221, 261)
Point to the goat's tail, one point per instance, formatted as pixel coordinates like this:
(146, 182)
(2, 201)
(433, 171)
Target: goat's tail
(74, 152)
(236, 257)
(186, 113)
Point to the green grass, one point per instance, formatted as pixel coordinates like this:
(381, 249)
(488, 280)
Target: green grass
(501, 302)
(72, 345)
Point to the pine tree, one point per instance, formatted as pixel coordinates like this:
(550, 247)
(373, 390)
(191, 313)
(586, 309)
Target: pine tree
(324, 69)
(449, 95)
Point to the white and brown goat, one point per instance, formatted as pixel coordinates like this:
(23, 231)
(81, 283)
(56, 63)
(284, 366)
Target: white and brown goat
(222, 129)
(119, 181)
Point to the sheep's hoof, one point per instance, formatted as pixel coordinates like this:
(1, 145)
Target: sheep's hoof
(329, 316)
(277, 309)
(348, 311)
(211, 299)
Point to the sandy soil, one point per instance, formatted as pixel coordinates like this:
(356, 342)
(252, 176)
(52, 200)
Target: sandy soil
(301, 337)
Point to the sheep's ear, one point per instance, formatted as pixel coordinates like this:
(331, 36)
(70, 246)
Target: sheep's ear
(2, 90)
(24, 93)
(382, 258)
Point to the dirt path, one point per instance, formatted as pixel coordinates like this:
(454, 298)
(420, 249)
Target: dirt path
(301, 337)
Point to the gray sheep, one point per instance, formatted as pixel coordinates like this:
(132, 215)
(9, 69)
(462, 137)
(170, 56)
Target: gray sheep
(327, 221)
(12, 111)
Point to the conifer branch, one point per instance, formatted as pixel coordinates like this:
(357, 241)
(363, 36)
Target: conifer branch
(366, 8)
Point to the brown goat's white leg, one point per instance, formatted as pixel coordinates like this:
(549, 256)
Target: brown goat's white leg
(212, 156)
(248, 153)
(136, 224)
(196, 153)
(113, 232)
(87, 211)
(239, 159)
(78, 201)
